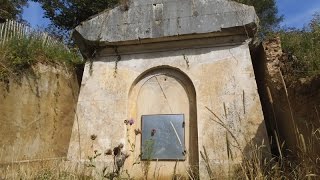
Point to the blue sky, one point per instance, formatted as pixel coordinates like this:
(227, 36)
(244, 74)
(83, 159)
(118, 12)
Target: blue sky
(297, 13)
(34, 15)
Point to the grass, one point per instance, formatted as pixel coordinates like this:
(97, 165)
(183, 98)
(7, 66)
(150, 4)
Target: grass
(304, 166)
(22, 47)
(18, 55)
(303, 162)
(42, 170)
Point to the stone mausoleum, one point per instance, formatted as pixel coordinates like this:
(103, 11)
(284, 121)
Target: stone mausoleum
(180, 72)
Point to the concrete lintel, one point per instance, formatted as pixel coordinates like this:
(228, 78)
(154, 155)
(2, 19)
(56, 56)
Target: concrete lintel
(172, 45)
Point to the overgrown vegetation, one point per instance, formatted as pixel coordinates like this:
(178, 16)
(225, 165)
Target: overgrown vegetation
(255, 165)
(10, 9)
(19, 54)
(303, 46)
(69, 13)
(301, 162)
(305, 165)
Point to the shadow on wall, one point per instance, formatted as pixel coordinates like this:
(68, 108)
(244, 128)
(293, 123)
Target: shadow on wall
(163, 53)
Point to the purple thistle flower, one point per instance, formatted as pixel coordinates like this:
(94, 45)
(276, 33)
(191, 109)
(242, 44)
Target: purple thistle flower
(131, 122)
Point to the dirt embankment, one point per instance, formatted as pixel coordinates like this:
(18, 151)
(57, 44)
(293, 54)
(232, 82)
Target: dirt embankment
(290, 100)
(37, 114)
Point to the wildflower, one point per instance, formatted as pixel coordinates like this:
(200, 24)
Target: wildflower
(153, 132)
(131, 122)
(137, 131)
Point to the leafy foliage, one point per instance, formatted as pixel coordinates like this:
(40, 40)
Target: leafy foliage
(67, 14)
(267, 11)
(305, 45)
(19, 54)
(11, 9)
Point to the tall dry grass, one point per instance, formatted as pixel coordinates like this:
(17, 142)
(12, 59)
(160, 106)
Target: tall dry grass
(302, 163)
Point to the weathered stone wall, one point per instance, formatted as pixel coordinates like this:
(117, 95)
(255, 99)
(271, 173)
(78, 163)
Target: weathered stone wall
(277, 90)
(37, 113)
(169, 57)
(222, 78)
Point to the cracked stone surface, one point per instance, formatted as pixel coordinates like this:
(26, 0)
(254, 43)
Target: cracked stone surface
(148, 19)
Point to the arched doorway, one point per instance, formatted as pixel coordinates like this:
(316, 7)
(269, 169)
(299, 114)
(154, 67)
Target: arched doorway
(161, 92)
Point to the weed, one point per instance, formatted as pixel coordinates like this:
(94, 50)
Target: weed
(19, 53)
(147, 153)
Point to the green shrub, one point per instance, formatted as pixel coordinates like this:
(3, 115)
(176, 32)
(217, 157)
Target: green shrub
(19, 54)
(305, 45)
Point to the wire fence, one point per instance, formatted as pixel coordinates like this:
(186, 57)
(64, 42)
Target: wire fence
(12, 29)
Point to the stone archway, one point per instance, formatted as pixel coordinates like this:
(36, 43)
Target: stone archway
(166, 90)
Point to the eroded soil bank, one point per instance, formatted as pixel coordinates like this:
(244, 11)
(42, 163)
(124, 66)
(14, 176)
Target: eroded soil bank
(291, 101)
(37, 114)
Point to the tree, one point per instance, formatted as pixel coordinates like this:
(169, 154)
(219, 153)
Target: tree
(315, 22)
(12, 9)
(304, 44)
(67, 14)
(267, 12)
